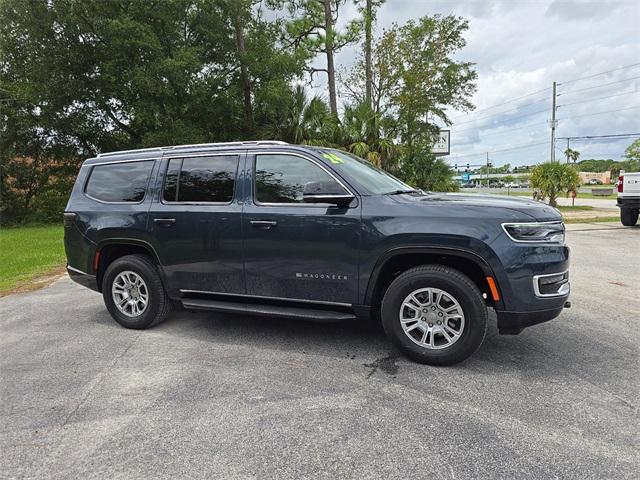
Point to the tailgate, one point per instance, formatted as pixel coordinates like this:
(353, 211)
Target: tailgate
(631, 185)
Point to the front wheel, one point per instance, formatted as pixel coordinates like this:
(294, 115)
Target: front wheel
(629, 216)
(435, 315)
(133, 292)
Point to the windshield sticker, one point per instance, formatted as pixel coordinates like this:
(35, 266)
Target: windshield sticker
(333, 158)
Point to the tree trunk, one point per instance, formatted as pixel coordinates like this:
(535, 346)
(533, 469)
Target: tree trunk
(368, 25)
(331, 71)
(244, 75)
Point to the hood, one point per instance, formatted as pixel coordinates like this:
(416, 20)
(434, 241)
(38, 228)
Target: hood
(536, 210)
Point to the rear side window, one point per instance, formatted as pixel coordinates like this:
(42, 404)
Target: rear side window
(119, 182)
(201, 179)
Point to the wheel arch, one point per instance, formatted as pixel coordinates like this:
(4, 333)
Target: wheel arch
(397, 260)
(108, 251)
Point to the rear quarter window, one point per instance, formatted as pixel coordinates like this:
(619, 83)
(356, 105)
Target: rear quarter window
(119, 182)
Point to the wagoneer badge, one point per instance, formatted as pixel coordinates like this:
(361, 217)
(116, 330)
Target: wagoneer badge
(321, 276)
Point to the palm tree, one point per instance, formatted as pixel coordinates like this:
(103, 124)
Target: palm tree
(363, 132)
(553, 178)
(303, 121)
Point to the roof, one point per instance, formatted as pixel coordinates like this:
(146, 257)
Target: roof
(154, 152)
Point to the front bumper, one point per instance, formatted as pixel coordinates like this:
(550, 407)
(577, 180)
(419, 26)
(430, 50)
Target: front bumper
(512, 323)
(82, 278)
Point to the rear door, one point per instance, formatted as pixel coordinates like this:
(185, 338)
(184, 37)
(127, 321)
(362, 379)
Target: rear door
(195, 222)
(296, 250)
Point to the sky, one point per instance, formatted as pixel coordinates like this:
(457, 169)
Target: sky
(521, 47)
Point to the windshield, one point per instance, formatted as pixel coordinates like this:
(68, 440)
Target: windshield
(372, 178)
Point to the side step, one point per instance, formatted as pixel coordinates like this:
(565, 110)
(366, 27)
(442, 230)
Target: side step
(267, 310)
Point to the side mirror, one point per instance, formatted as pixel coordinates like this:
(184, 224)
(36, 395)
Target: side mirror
(326, 192)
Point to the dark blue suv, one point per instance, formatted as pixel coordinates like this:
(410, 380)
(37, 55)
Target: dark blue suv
(268, 228)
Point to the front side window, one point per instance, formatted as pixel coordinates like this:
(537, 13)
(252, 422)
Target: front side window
(201, 179)
(281, 178)
(119, 182)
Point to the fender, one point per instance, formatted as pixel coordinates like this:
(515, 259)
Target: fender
(425, 249)
(134, 241)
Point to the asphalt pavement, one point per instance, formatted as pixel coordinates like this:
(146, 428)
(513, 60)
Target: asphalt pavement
(205, 395)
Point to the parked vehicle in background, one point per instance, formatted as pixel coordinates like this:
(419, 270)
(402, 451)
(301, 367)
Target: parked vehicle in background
(595, 181)
(272, 229)
(629, 197)
(513, 185)
(469, 185)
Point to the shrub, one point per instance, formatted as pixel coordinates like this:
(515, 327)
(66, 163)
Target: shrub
(552, 178)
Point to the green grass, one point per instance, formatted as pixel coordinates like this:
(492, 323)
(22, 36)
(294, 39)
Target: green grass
(26, 252)
(569, 208)
(592, 220)
(520, 193)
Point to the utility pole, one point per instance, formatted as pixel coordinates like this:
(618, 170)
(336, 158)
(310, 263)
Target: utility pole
(488, 165)
(553, 124)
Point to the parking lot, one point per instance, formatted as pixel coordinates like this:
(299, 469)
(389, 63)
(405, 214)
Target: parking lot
(216, 396)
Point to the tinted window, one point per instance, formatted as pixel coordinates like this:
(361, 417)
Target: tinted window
(281, 178)
(119, 182)
(201, 179)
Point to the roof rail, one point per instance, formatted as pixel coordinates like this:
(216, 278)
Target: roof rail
(194, 145)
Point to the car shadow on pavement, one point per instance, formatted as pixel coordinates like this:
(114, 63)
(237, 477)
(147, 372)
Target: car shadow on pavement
(540, 351)
(364, 339)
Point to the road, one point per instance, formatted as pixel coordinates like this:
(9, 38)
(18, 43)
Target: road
(212, 396)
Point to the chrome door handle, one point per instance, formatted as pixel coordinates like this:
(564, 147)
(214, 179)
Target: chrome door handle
(164, 221)
(266, 224)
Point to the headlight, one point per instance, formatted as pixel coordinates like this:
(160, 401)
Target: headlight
(535, 232)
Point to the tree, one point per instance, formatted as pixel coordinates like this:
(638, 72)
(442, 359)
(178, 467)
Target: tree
(632, 152)
(572, 155)
(551, 179)
(424, 78)
(369, 16)
(85, 77)
(303, 121)
(313, 31)
(424, 170)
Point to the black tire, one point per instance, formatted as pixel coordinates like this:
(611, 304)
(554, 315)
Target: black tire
(158, 304)
(629, 216)
(454, 283)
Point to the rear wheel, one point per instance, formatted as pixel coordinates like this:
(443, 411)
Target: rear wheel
(133, 292)
(629, 216)
(435, 315)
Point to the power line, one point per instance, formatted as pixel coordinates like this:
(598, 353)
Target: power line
(518, 147)
(601, 136)
(598, 86)
(599, 113)
(598, 74)
(595, 99)
(504, 131)
(515, 109)
(503, 103)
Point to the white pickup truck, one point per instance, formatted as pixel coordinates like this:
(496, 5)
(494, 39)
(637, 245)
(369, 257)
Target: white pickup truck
(629, 197)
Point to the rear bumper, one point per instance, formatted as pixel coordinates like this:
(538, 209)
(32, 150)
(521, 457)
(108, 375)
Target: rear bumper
(82, 278)
(512, 323)
(628, 202)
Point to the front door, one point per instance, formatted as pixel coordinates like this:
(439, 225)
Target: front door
(296, 250)
(195, 221)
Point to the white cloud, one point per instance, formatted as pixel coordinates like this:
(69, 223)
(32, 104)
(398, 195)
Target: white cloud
(523, 46)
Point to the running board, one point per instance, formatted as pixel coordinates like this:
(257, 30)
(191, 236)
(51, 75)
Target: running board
(267, 310)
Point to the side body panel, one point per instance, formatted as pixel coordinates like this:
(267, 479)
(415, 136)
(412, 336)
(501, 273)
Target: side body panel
(201, 248)
(310, 253)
